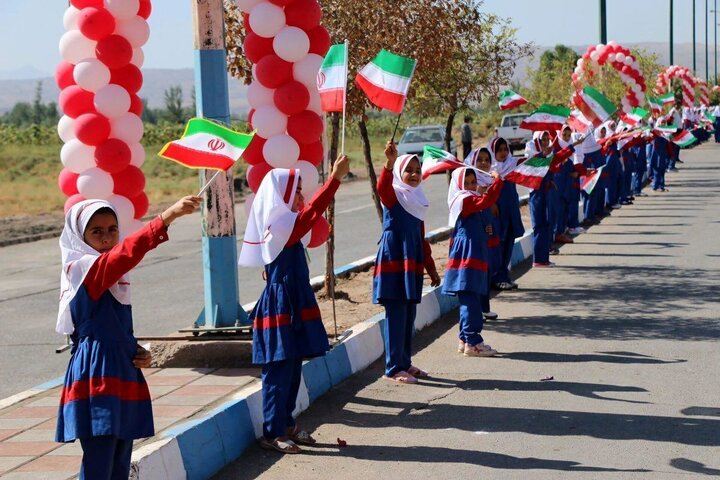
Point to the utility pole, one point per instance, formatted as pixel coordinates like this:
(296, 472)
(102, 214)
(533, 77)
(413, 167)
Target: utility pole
(603, 22)
(672, 61)
(694, 42)
(716, 25)
(219, 245)
(707, 61)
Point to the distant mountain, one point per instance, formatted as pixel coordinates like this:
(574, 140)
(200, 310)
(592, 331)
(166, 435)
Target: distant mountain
(23, 73)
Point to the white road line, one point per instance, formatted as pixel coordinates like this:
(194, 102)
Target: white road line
(355, 209)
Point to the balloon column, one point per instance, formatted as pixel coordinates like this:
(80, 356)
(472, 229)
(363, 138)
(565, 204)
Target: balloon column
(99, 78)
(622, 61)
(704, 89)
(286, 44)
(684, 75)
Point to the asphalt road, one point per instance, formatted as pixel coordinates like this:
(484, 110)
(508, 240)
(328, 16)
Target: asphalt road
(168, 284)
(608, 367)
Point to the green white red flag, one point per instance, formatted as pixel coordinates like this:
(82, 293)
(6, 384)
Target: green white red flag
(332, 79)
(666, 130)
(684, 139)
(436, 160)
(590, 181)
(206, 144)
(594, 105)
(634, 118)
(386, 80)
(668, 98)
(530, 173)
(655, 104)
(510, 99)
(578, 122)
(547, 117)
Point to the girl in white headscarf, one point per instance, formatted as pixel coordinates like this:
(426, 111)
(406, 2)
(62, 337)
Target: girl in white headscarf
(287, 326)
(105, 401)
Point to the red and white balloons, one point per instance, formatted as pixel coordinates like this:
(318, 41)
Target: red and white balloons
(664, 81)
(99, 78)
(621, 59)
(286, 44)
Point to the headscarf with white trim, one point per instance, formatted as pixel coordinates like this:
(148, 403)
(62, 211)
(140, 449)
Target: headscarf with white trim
(457, 192)
(412, 199)
(504, 167)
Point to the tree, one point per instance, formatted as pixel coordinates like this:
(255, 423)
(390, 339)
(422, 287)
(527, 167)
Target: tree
(174, 111)
(550, 82)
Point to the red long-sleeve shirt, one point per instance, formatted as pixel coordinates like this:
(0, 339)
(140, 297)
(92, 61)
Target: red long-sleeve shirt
(560, 157)
(309, 214)
(476, 204)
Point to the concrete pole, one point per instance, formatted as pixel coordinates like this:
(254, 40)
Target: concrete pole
(672, 60)
(603, 22)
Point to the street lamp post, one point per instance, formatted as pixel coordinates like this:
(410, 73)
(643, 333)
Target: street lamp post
(694, 41)
(707, 61)
(603, 22)
(671, 32)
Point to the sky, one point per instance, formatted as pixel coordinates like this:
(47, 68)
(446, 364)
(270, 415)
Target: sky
(30, 29)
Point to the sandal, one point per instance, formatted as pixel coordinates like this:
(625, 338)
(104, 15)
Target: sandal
(417, 372)
(301, 437)
(282, 446)
(402, 377)
(504, 286)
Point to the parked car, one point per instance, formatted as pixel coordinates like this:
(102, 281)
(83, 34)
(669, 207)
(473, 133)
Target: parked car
(510, 130)
(416, 137)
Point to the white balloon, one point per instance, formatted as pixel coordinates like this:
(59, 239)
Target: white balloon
(246, 5)
(91, 74)
(612, 57)
(76, 156)
(112, 101)
(66, 128)
(281, 151)
(291, 44)
(135, 30)
(579, 63)
(267, 19)
(600, 46)
(620, 57)
(259, 96)
(306, 70)
(122, 9)
(309, 176)
(594, 56)
(249, 199)
(612, 43)
(124, 209)
(128, 128)
(628, 61)
(76, 47)
(95, 183)
(70, 18)
(138, 57)
(137, 154)
(269, 121)
(636, 88)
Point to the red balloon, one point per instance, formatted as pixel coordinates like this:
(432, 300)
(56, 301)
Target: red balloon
(305, 127)
(96, 23)
(282, 3)
(253, 154)
(64, 75)
(246, 22)
(319, 40)
(319, 233)
(114, 51)
(291, 98)
(256, 47)
(77, 198)
(250, 116)
(67, 181)
(136, 105)
(312, 152)
(256, 174)
(92, 128)
(129, 77)
(305, 14)
(141, 204)
(145, 9)
(272, 71)
(80, 4)
(129, 182)
(74, 101)
(113, 155)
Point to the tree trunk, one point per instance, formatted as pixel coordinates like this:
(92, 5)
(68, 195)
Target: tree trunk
(370, 169)
(448, 139)
(330, 245)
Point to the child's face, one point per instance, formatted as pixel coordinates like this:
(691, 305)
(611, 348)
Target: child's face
(102, 232)
(483, 161)
(566, 135)
(545, 140)
(501, 152)
(412, 175)
(470, 182)
(299, 201)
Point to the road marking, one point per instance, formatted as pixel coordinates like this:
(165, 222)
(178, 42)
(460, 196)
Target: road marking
(355, 209)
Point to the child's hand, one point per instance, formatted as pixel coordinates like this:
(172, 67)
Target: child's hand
(495, 174)
(341, 167)
(184, 206)
(489, 229)
(391, 154)
(434, 278)
(143, 358)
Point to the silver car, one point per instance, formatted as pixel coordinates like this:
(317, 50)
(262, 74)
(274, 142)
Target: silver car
(416, 137)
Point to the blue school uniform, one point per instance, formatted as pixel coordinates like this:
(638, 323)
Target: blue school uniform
(640, 168)
(659, 161)
(510, 227)
(613, 170)
(565, 195)
(593, 203)
(628, 164)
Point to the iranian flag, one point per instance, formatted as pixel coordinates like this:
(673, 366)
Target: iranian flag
(633, 118)
(530, 173)
(591, 180)
(667, 99)
(332, 79)
(666, 130)
(436, 160)
(510, 99)
(578, 122)
(683, 139)
(207, 144)
(594, 105)
(386, 80)
(547, 117)
(655, 104)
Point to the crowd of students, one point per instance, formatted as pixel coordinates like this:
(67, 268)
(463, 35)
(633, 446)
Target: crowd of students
(105, 401)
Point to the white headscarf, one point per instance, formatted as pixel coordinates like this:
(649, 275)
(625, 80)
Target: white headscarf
(77, 259)
(562, 143)
(533, 148)
(457, 192)
(412, 199)
(503, 168)
(271, 220)
(472, 158)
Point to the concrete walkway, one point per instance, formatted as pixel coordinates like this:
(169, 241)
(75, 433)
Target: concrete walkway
(609, 367)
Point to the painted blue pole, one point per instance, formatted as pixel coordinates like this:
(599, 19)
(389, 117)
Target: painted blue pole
(219, 244)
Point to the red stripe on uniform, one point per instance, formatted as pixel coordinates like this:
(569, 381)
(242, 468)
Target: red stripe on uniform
(398, 266)
(272, 321)
(102, 386)
(312, 313)
(493, 242)
(460, 263)
(289, 187)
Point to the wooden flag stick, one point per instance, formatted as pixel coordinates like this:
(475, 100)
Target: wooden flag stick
(202, 190)
(392, 140)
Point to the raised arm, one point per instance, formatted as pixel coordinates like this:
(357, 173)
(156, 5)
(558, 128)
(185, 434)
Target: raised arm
(475, 204)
